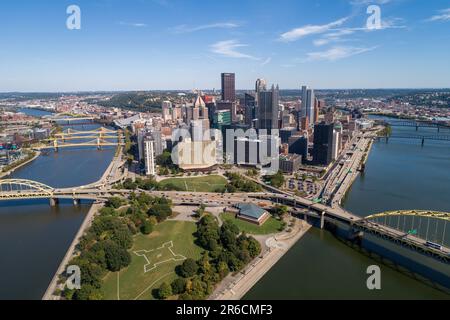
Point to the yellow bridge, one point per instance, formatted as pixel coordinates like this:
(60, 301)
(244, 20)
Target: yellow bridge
(98, 138)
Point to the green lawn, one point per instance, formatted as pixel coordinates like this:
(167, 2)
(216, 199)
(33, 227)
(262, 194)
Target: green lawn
(197, 184)
(271, 226)
(154, 258)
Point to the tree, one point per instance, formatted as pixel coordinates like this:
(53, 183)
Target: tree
(164, 291)
(122, 236)
(114, 202)
(230, 226)
(129, 184)
(208, 233)
(107, 211)
(160, 211)
(281, 210)
(222, 269)
(178, 286)
(147, 227)
(116, 257)
(87, 292)
(277, 180)
(189, 268)
(144, 199)
(254, 247)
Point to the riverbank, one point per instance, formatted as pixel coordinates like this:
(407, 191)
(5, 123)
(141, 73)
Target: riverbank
(20, 165)
(71, 253)
(235, 287)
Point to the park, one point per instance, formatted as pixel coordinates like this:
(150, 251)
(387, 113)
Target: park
(154, 259)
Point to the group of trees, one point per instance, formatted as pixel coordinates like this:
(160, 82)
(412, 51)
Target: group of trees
(227, 250)
(136, 101)
(166, 165)
(237, 183)
(105, 245)
(149, 184)
(103, 248)
(277, 180)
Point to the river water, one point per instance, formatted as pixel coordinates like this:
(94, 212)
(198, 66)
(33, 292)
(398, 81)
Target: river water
(400, 175)
(34, 112)
(34, 237)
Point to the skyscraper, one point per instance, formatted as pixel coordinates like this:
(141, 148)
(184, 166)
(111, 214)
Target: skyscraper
(228, 87)
(249, 105)
(268, 106)
(149, 156)
(323, 143)
(308, 104)
(261, 85)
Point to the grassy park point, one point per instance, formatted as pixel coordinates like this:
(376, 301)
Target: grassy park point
(197, 184)
(270, 227)
(154, 259)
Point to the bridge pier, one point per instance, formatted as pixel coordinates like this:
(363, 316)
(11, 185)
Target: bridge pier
(423, 142)
(54, 202)
(76, 202)
(322, 221)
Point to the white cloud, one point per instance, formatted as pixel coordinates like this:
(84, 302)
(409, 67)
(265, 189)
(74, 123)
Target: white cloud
(133, 24)
(304, 31)
(336, 53)
(368, 2)
(267, 61)
(335, 36)
(221, 25)
(444, 15)
(229, 48)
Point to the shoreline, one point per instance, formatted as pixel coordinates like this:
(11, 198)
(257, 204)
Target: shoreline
(49, 293)
(279, 245)
(10, 172)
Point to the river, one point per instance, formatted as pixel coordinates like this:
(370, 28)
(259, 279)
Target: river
(399, 175)
(34, 237)
(34, 112)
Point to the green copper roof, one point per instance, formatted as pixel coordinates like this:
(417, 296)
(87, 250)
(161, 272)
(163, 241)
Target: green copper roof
(250, 210)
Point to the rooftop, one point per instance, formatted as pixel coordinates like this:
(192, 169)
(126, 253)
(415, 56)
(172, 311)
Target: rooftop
(250, 210)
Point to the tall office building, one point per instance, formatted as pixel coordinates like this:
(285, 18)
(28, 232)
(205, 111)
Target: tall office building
(268, 108)
(308, 105)
(166, 110)
(316, 111)
(336, 147)
(261, 85)
(323, 144)
(299, 145)
(149, 156)
(228, 87)
(250, 108)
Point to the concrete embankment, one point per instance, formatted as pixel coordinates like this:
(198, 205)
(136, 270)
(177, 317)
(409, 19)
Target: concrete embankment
(234, 287)
(71, 253)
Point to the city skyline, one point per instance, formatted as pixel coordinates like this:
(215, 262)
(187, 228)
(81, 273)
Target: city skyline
(162, 45)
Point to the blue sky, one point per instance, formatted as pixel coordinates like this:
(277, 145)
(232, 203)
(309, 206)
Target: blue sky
(185, 44)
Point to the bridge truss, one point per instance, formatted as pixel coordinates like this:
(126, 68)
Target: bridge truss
(100, 137)
(11, 189)
(425, 230)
